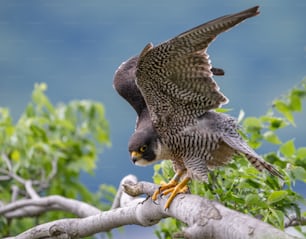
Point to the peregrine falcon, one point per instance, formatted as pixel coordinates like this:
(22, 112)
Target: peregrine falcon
(179, 95)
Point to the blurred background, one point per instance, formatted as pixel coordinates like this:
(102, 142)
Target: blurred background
(76, 46)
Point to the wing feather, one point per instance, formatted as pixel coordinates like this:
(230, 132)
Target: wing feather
(124, 83)
(175, 77)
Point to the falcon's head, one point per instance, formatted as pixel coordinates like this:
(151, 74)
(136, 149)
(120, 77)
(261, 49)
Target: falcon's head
(145, 147)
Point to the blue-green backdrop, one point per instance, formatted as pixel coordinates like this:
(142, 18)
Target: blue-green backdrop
(76, 46)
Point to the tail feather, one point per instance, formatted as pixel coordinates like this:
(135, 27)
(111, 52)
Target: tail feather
(241, 147)
(261, 165)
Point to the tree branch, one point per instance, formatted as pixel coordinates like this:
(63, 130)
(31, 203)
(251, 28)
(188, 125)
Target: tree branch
(205, 219)
(37, 206)
(209, 219)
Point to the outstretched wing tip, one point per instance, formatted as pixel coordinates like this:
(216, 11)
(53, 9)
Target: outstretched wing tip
(256, 9)
(177, 74)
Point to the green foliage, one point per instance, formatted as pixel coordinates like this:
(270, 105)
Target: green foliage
(50, 145)
(240, 186)
(168, 227)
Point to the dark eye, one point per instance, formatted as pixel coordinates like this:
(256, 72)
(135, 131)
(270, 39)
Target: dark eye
(143, 148)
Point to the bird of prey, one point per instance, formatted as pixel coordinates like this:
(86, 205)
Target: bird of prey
(177, 95)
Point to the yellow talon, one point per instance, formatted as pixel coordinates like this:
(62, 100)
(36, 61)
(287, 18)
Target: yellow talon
(173, 188)
(164, 186)
(170, 190)
(179, 188)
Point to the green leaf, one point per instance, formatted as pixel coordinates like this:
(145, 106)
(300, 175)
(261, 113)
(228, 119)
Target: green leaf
(40, 98)
(301, 152)
(288, 148)
(277, 217)
(277, 196)
(15, 155)
(5, 115)
(223, 110)
(252, 123)
(285, 110)
(277, 123)
(299, 173)
(295, 100)
(274, 122)
(157, 167)
(254, 200)
(271, 137)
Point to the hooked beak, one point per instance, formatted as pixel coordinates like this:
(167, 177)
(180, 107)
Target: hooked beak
(135, 156)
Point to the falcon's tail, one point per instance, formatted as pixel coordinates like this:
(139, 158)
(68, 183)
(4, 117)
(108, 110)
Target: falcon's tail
(260, 165)
(241, 147)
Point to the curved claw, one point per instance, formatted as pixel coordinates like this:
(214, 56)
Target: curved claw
(155, 202)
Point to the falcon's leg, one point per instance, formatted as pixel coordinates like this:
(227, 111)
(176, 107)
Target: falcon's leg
(167, 186)
(179, 188)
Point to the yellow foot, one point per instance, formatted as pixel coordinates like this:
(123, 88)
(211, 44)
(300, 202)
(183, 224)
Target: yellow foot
(173, 187)
(179, 188)
(171, 190)
(164, 187)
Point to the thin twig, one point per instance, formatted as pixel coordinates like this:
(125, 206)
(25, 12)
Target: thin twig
(30, 190)
(15, 192)
(293, 221)
(5, 178)
(54, 169)
(7, 161)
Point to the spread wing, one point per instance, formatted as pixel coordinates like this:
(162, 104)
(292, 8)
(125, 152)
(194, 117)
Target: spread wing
(125, 84)
(175, 77)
